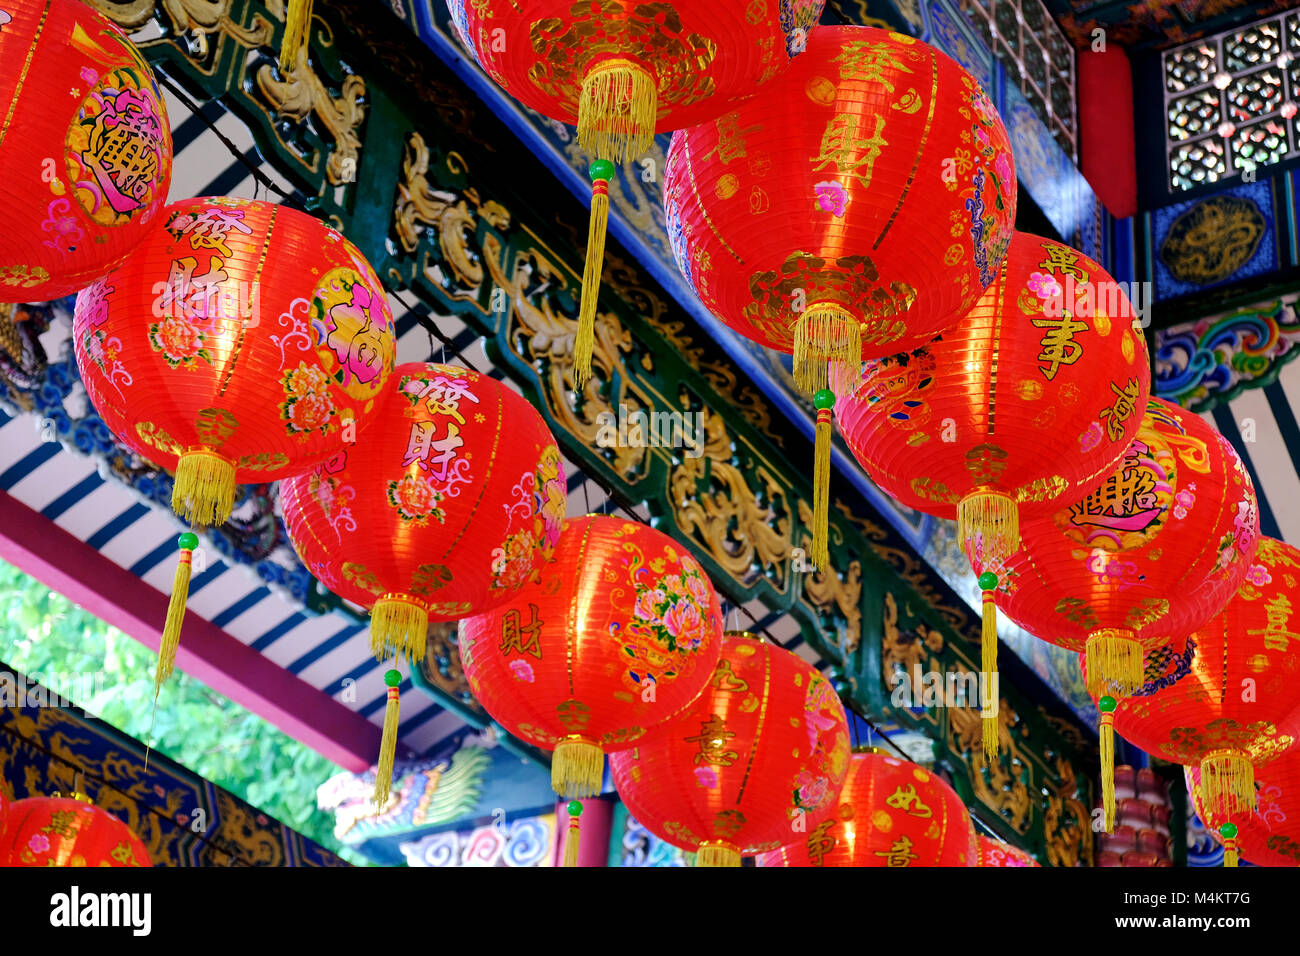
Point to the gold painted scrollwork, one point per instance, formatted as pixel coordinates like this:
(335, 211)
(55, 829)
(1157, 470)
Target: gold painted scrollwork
(1067, 825)
(302, 94)
(442, 646)
(741, 528)
(1001, 786)
(839, 599)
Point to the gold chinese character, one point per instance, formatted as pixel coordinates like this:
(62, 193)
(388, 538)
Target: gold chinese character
(1058, 345)
(900, 854)
(906, 798)
(713, 739)
(1118, 414)
(1062, 261)
(868, 61)
(1126, 501)
(1277, 634)
(821, 842)
(846, 147)
(731, 139)
(521, 638)
(62, 822)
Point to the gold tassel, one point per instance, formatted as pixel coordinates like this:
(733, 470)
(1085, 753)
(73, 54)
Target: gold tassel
(618, 110)
(204, 490)
(1107, 706)
(992, 517)
(575, 828)
(388, 744)
(1114, 661)
(717, 854)
(1228, 783)
(820, 557)
(297, 30)
(399, 625)
(171, 635)
(584, 345)
(1229, 833)
(577, 768)
(825, 334)
(989, 665)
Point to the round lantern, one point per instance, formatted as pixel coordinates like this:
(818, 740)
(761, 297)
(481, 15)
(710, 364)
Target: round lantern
(1270, 834)
(758, 757)
(996, 853)
(1020, 407)
(1145, 558)
(858, 206)
(444, 508)
(85, 145)
(617, 634)
(622, 70)
(890, 813)
(242, 342)
(1228, 701)
(67, 831)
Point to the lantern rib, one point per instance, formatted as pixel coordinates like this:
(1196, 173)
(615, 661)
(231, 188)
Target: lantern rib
(27, 65)
(916, 163)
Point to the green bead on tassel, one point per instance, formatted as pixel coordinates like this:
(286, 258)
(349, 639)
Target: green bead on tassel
(388, 744)
(575, 825)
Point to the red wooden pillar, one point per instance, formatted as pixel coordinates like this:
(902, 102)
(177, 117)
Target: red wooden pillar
(1107, 155)
(597, 825)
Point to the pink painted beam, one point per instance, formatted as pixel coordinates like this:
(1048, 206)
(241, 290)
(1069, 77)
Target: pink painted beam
(66, 564)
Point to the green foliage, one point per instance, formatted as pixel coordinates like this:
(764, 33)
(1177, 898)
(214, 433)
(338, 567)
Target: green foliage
(44, 633)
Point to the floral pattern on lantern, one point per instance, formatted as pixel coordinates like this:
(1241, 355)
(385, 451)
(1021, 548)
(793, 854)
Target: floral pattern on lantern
(996, 853)
(617, 634)
(67, 831)
(242, 342)
(760, 753)
(86, 148)
(890, 813)
(447, 506)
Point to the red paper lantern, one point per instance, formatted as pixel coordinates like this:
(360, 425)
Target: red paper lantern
(618, 634)
(243, 342)
(623, 70)
(85, 144)
(860, 205)
(1270, 834)
(890, 813)
(63, 831)
(762, 751)
(996, 853)
(1228, 700)
(1147, 557)
(443, 509)
(1020, 407)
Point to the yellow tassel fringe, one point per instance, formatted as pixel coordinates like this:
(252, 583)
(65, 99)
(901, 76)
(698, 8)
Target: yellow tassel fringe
(820, 556)
(571, 842)
(717, 854)
(387, 750)
(825, 333)
(585, 343)
(577, 768)
(1228, 783)
(297, 29)
(171, 636)
(399, 626)
(618, 110)
(1108, 769)
(989, 666)
(992, 517)
(1115, 661)
(204, 490)
(1230, 853)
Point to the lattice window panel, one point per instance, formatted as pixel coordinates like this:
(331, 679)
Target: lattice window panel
(1231, 102)
(1023, 35)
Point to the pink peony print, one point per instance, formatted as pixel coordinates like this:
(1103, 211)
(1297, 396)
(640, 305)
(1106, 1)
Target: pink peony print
(706, 777)
(522, 671)
(1091, 438)
(832, 197)
(1258, 575)
(1044, 286)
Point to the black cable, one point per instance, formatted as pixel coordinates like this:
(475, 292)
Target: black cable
(291, 199)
